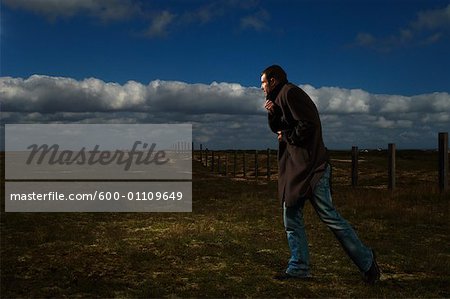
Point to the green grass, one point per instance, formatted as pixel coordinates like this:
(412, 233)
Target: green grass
(233, 242)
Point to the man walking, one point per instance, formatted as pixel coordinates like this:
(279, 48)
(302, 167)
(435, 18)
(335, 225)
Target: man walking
(304, 173)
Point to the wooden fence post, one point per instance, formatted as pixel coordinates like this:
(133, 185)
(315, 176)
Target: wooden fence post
(243, 164)
(256, 164)
(268, 163)
(234, 164)
(443, 161)
(226, 163)
(354, 166)
(391, 166)
(218, 163)
(201, 153)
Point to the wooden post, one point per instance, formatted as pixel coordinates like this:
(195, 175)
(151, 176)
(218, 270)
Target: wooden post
(226, 163)
(212, 161)
(243, 164)
(391, 166)
(354, 166)
(218, 163)
(201, 153)
(234, 164)
(443, 161)
(268, 163)
(256, 164)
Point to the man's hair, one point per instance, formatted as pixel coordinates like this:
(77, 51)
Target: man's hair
(275, 71)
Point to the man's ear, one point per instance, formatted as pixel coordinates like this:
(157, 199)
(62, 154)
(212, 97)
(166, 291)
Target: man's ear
(273, 81)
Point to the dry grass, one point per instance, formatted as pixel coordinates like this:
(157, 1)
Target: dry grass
(233, 242)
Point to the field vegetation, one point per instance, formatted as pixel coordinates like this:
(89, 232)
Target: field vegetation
(233, 242)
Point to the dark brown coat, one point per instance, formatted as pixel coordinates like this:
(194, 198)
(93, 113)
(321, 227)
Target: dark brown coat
(302, 156)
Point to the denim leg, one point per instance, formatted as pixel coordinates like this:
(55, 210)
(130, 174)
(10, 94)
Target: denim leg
(298, 244)
(344, 232)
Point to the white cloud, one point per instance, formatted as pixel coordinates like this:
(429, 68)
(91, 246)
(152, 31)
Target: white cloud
(256, 21)
(433, 19)
(339, 100)
(206, 13)
(393, 103)
(429, 27)
(226, 115)
(365, 39)
(384, 123)
(106, 10)
(56, 94)
(160, 23)
(159, 20)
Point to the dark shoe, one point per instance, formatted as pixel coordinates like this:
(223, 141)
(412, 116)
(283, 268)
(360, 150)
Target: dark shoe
(285, 276)
(372, 275)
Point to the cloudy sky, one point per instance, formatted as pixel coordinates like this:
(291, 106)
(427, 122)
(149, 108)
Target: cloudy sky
(377, 70)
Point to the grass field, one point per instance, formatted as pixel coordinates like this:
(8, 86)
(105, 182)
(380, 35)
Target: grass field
(233, 242)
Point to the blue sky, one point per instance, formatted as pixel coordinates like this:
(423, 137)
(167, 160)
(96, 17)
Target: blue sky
(391, 55)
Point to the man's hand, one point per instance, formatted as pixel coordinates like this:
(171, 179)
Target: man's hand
(279, 136)
(270, 106)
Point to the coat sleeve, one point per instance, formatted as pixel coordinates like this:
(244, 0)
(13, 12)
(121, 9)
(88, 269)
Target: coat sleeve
(275, 122)
(304, 114)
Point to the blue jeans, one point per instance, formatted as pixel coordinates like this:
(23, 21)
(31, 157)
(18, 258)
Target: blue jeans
(296, 235)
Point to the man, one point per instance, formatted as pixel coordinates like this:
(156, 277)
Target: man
(304, 173)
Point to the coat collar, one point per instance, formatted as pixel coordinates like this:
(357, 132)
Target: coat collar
(274, 93)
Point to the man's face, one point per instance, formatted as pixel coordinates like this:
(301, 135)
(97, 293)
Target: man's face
(267, 85)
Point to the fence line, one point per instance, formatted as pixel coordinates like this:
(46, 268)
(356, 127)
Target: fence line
(204, 155)
(391, 166)
(443, 161)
